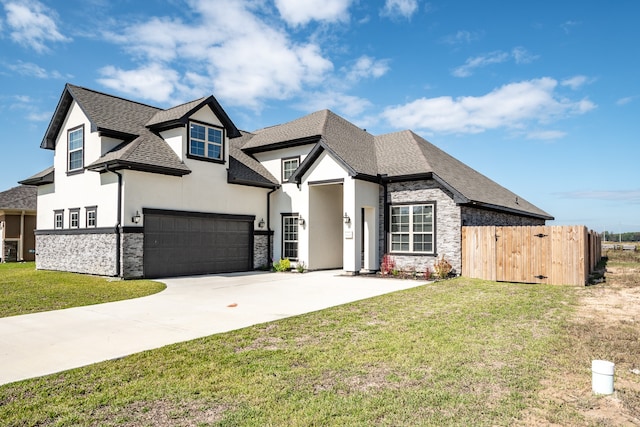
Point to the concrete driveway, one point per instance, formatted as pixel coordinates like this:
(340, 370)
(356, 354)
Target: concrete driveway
(191, 307)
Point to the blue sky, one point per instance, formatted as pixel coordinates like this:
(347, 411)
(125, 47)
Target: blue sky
(540, 96)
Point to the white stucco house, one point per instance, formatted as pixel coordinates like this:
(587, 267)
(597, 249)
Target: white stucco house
(139, 191)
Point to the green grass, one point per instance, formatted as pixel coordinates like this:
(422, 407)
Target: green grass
(23, 289)
(459, 352)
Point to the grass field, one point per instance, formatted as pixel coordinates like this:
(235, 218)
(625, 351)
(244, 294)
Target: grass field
(23, 289)
(457, 352)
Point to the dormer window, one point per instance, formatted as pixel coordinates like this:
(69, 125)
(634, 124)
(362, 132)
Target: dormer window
(206, 142)
(75, 138)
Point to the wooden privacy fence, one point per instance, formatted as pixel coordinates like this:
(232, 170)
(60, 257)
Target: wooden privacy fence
(530, 254)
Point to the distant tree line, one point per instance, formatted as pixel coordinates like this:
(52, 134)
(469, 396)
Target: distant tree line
(610, 236)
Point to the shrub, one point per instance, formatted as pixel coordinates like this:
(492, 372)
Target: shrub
(442, 268)
(282, 265)
(427, 274)
(301, 267)
(388, 265)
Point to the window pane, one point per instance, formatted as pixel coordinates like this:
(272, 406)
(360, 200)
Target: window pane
(197, 148)
(213, 151)
(75, 160)
(197, 131)
(290, 237)
(215, 136)
(75, 140)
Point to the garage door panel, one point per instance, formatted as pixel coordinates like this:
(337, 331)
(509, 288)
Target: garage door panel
(185, 245)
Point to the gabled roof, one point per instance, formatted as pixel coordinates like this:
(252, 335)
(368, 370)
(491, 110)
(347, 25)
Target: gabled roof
(395, 156)
(22, 197)
(349, 144)
(404, 155)
(135, 123)
(41, 178)
(179, 115)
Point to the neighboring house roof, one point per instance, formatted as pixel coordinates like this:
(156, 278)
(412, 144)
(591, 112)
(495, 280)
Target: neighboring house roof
(22, 197)
(41, 178)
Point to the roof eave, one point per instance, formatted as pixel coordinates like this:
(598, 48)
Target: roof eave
(283, 144)
(492, 207)
(313, 155)
(119, 165)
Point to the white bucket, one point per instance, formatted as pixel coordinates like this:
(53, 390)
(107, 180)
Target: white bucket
(602, 381)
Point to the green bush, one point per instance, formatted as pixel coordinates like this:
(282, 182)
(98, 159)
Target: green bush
(282, 265)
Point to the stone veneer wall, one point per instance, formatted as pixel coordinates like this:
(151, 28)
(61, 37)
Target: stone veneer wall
(261, 255)
(89, 253)
(447, 227)
(479, 217)
(132, 256)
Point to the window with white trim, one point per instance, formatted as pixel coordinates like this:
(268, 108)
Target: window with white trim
(205, 141)
(289, 166)
(290, 237)
(74, 218)
(58, 219)
(92, 216)
(75, 150)
(411, 228)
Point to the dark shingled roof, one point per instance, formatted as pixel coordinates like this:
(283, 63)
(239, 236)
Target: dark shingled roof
(41, 178)
(22, 197)
(405, 154)
(350, 144)
(401, 155)
(244, 169)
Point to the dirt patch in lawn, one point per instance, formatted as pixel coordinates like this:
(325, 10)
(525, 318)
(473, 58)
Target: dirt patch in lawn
(606, 326)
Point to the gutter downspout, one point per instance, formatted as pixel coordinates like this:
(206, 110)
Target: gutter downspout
(385, 226)
(119, 220)
(269, 254)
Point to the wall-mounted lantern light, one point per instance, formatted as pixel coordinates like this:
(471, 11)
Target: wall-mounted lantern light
(261, 223)
(301, 220)
(136, 217)
(346, 218)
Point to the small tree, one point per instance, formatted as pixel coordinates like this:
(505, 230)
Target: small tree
(388, 265)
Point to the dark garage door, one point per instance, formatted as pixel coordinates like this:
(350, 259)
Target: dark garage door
(186, 243)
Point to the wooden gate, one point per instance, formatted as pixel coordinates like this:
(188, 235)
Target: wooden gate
(534, 254)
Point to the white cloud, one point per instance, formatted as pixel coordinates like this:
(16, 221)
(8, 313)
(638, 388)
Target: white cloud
(626, 100)
(365, 67)
(296, 12)
(522, 56)
(32, 24)
(519, 54)
(340, 103)
(153, 82)
(513, 106)
(460, 37)
(33, 70)
(479, 61)
(399, 8)
(546, 134)
(575, 82)
(242, 64)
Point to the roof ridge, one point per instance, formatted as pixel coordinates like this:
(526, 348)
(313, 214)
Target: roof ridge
(70, 85)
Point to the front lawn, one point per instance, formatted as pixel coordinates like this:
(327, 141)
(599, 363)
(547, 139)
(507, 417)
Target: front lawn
(23, 289)
(459, 352)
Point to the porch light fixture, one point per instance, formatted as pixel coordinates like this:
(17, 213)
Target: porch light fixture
(301, 220)
(261, 223)
(136, 217)
(346, 218)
